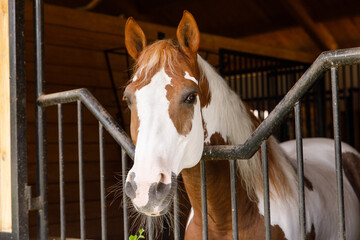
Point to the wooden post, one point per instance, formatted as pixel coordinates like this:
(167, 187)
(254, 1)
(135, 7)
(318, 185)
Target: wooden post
(5, 148)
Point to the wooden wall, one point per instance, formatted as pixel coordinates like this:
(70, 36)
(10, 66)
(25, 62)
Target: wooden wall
(5, 146)
(74, 58)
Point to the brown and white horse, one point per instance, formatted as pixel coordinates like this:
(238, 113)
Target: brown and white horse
(179, 103)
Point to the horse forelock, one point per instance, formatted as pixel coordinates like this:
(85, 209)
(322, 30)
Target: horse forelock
(160, 54)
(166, 54)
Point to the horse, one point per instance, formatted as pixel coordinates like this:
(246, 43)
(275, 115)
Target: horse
(179, 104)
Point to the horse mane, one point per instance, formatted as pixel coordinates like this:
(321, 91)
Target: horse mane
(237, 123)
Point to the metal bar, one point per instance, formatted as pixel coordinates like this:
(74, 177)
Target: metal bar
(43, 232)
(81, 173)
(234, 211)
(264, 154)
(102, 183)
(124, 160)
(338, 159)
(204, 216)
(61, 175)
(96, 109)
(150, 228)
(300, 170)
(176, 216)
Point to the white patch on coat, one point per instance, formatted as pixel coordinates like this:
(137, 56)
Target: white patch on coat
(321, 203)
(187, 76)
(160, 149)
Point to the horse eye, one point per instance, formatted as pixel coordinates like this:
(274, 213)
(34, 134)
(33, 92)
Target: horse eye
(190, 99)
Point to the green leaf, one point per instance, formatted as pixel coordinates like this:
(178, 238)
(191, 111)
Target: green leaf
(141, 231)
(132, 237)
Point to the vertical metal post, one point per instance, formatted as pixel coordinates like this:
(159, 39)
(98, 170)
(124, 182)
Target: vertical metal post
(150, 228)
(19, 203)
(264, 154)
(300, 169)
(81, 173)
(124, 160)
(338, 159)
(176, 216)
(203, 200)
(234, 212)
(40, 120)
(102, 183)
(61, 175)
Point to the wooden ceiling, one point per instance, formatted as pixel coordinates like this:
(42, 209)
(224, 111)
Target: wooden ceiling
(304, 25)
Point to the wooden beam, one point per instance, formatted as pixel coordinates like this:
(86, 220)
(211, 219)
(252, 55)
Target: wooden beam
(317, 31)
(5, 150)
(115, 25)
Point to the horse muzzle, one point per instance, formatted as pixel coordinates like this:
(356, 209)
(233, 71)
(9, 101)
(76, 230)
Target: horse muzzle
(152, 199)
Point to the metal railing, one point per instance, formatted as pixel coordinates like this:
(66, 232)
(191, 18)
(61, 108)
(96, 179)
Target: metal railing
(327, 60)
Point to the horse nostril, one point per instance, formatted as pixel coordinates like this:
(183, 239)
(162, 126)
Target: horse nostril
(130, 188)
(162, 190)
(162, 178)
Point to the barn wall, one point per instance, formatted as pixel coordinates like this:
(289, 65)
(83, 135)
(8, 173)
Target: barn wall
(74, 58)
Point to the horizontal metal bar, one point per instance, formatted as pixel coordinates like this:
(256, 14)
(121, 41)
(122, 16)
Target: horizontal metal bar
(223, 152)
(96, 109)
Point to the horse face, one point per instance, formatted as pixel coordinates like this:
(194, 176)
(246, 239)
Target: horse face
(166, 123)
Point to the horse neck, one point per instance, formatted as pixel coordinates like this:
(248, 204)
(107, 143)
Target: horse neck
(218, 195)
(228, 121)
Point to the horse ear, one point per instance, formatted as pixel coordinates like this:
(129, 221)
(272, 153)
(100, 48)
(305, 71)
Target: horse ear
(135, 39)
(188, 34)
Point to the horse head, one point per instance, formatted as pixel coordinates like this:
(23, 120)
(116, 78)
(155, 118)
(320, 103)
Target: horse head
(165, 96)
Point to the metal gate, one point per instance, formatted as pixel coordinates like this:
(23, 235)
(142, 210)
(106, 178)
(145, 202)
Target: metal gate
(21, 195)
(263, 81)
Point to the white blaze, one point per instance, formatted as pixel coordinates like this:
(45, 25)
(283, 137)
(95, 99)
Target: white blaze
(160, 148)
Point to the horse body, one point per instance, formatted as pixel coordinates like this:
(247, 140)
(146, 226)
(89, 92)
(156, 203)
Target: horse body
(320, 196)
(179, 104)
